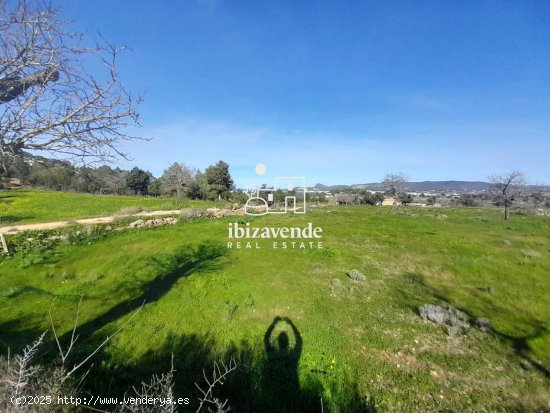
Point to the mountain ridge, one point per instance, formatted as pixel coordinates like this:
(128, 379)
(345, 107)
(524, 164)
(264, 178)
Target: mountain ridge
(425, 186)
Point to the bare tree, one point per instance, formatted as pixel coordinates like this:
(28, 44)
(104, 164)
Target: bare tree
(49, 102)
(394, 185)
(177, 179)
(507, 188)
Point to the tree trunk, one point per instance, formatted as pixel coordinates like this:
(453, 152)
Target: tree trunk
(506, 212)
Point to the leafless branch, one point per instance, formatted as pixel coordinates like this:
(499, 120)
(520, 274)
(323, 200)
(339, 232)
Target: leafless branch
(22, 369)
(394, 185)
(159, 386)
(107, 339)
(218, 377)
(64, 355)
(49, 101)
(507, 188)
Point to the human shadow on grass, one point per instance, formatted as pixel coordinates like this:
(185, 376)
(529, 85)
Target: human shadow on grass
(261, 382)
(416, 288)
(186, 261)
(280, 376)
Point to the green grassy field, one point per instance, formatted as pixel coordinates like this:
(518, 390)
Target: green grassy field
(23, 206)
(364, 346)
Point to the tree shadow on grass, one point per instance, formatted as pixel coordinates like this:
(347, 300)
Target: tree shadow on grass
(10, 219)
(15, 335)
(256, 385)
(416, 290)
(186, 261)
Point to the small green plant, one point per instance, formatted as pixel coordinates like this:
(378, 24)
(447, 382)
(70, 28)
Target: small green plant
(229, 309)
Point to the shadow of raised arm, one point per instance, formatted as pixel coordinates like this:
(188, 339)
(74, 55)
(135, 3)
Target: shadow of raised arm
(269, 331)
(298, 347)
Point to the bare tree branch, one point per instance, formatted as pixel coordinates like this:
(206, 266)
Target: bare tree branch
(394, 185)
(49, 101)
(507, 188)
(64, 355)
(218, 377)
(107, 339)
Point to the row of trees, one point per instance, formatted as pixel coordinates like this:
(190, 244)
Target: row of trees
(182, 180)
(179, 180)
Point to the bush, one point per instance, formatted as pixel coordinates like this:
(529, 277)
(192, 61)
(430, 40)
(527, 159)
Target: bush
(193, 213)
(468, 200)
(130, 210)
(39, 386)
(405, 199)
(20, 377)
(432, 200)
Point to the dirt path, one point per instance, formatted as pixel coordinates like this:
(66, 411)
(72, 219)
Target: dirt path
(14, 229)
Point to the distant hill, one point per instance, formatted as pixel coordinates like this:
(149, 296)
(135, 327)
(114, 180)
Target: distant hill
(333, 188)
(424, 186)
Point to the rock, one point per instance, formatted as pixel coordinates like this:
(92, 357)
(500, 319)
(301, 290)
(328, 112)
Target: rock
(356, 275)
(136, 224)
(63, 238)
(455, 320)
(482, 324)
(220, 213)
(151, 223)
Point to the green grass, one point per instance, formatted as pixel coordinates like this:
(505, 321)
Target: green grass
(23, 206)
(363, 342)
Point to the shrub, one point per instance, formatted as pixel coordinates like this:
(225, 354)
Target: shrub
(432, 200)
(41, 385)
(194, 212)
(20, 377)
(468, 200)
(405, 199)
(130, 210)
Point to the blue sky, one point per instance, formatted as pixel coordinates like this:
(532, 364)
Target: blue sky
(341, 92)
